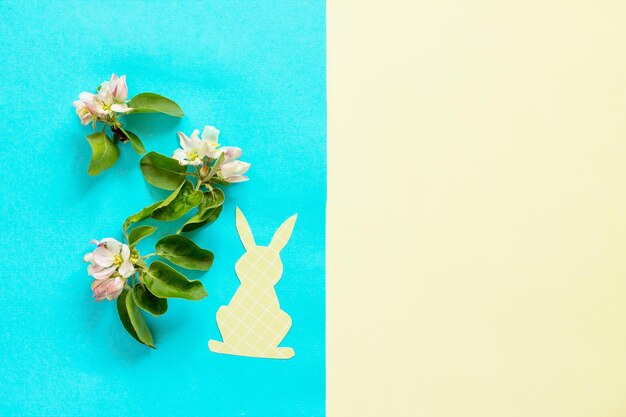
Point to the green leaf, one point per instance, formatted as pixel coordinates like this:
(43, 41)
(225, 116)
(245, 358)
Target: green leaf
(104, 153)
(135, 142)
(216, 166)
(198, 221)
(148, 301)
(165, 282)
(212, 199)
(208, 211)
(132, 319)
(162, 171)
(178, 203)
(184, 252)
(139, 233)
(144, 213)
(154, 103)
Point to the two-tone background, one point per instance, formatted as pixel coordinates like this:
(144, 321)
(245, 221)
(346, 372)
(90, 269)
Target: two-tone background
(476, 202)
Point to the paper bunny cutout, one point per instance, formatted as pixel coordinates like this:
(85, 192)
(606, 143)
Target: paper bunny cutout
(253, 323)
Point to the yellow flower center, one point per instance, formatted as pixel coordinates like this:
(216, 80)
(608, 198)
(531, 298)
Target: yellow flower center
(118, 260)
(134, 256)
(193, 154)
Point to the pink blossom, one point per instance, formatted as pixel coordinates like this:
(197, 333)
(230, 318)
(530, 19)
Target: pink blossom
(230, 153)
(118, 88)
(233, 171)
(110, 99)
(109, 288)
(85, 108)
(192, 150)
(110, 266)
(110, 257)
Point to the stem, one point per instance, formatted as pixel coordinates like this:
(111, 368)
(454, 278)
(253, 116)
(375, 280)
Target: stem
(199, 183)
(120, 127)
(149, 255)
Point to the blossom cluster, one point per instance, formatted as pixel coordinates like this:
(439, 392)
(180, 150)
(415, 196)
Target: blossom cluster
(110, 264)
(105, 104)
(117, 269)
(201, 150)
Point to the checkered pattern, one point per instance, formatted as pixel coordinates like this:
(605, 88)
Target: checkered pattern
(253, 323)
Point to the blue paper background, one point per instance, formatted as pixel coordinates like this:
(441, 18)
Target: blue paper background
(254, 69)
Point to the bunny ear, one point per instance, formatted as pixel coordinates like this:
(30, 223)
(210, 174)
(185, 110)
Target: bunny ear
(282, 235)
(245, 234)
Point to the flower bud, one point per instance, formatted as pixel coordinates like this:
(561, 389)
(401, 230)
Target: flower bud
(233, 171)
(118, 88)
(109, 288)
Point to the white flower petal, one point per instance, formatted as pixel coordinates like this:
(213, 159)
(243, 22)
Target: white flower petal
(104, 90)
(112, 244)
(230, 153)
(125, 252)
(103, 256)
(181, 156)
(210, 134)
(86, 97)
(237, 178)
(126, 269)
(234, 168)
(88, 257)
(121, 92)
(185, 142)
(202, 149)
(113, 83)
(120, 108)
(100, 273)
(92, 269)
(213, 153)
